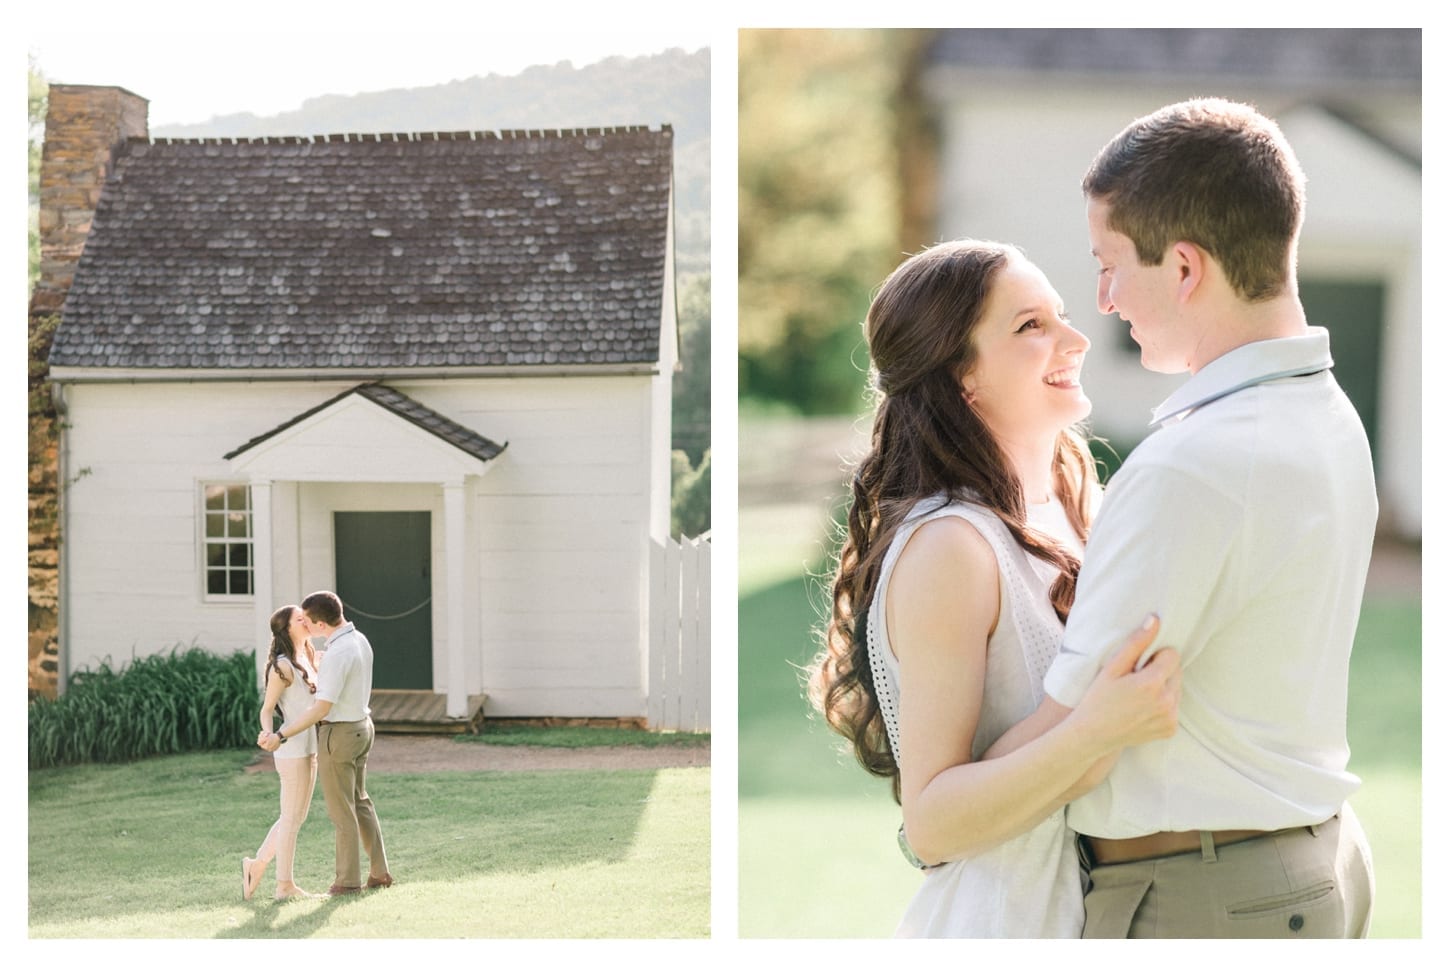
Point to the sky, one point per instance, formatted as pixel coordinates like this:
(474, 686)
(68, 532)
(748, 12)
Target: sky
(189, 76)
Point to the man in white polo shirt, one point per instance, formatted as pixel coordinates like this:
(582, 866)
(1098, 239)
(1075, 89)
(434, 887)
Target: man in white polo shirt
(344, 739)
(1245, 521)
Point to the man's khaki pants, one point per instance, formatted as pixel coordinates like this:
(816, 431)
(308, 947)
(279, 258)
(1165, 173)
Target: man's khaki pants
(1304, 882)
(342, 765)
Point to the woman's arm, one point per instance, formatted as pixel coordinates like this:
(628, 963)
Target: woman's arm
(275, 685)
(1052, 713)
(941, 607)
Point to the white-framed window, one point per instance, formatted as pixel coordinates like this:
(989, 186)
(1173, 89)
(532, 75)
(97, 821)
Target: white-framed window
(226, 541)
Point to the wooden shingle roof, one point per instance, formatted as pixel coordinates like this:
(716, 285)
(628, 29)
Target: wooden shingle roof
(387, 251)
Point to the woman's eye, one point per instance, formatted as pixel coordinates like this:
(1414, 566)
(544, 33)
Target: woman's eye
(1029, 324)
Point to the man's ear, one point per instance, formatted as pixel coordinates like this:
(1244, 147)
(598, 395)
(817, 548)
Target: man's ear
(1190, 262)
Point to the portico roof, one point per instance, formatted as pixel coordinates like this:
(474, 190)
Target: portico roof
(387, 400)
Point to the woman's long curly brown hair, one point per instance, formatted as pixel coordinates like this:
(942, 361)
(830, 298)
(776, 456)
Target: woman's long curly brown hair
(927, 441)
(282, 647)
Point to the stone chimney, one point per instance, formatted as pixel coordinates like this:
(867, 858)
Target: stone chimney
(83, 127)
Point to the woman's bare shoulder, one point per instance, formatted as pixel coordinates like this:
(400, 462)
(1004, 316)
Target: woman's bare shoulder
(952, 542)
(946, 571)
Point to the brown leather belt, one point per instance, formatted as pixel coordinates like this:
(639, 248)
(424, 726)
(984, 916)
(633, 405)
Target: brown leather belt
(1106, 852)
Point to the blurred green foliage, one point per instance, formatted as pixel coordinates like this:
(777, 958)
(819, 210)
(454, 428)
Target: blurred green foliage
(821, 204)
(690, 412)
(689, 495)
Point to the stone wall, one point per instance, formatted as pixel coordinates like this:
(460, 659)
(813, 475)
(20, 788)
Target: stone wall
(83, 127)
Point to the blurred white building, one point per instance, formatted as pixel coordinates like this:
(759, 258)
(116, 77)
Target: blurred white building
(1023, 112)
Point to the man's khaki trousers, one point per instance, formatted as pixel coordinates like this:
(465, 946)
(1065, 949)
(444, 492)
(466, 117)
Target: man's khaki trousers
(1305, 882)
(342, 765)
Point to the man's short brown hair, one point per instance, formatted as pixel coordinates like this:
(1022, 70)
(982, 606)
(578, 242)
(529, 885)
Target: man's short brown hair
(1212, 172)
(324, 607)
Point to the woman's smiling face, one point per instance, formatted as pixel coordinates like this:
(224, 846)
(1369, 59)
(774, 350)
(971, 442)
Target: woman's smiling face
(1024, 382)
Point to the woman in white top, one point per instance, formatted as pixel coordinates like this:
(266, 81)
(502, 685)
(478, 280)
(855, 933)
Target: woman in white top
(963, 543)
(291, 680)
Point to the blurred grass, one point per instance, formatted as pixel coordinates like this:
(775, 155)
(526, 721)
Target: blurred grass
(817, 835)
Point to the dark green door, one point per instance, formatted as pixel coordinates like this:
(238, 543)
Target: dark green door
(1354, 313)
(384, 580)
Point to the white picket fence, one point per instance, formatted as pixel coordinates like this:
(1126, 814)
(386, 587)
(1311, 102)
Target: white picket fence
(679, 635)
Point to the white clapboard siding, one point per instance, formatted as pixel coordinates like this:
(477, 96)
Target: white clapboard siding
(555, 565)
(679, 635)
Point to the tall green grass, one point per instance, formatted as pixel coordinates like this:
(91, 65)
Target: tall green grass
(185, 701)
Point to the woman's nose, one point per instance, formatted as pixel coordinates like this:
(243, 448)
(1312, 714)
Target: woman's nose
(1072, 341)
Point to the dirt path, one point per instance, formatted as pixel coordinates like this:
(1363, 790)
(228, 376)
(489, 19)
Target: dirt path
(436, 753)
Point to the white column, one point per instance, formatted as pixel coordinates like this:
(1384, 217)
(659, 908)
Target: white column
(261, 566)
(455, 539)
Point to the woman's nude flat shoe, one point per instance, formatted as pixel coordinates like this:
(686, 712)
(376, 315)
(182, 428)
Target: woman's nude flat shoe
(249, 885)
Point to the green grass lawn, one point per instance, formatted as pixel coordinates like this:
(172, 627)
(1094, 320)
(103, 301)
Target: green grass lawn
(152, 849)
(817, 835)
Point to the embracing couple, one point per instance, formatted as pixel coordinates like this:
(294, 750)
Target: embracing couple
(327, 729)
(1065, 767)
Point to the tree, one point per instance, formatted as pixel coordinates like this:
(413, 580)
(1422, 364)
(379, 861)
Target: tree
(690, 412)
(690, 415)
(689, 495)
(829, 127)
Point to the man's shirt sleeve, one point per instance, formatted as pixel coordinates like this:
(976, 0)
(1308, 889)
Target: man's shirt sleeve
(1160, 545)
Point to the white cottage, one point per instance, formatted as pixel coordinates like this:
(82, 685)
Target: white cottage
(428, 371)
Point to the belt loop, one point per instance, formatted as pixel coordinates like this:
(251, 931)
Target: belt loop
(1205, 843)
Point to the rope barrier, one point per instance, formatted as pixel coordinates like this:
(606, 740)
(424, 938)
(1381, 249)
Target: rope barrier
(386, 617)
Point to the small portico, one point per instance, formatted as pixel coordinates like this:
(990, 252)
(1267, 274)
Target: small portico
(333, 476)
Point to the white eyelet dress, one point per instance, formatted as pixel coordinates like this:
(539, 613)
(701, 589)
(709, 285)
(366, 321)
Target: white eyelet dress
(1029, 886)
(295, 700)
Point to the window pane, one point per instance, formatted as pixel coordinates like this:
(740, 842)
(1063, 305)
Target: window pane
(215, 497)
(239, 555)
(216, 582)
(216, 555)
(239, 497)
(215, 525)
(238, 525)
(241, 582)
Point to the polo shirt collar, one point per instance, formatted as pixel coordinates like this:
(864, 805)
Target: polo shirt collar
(1248, 365)
(342, 629)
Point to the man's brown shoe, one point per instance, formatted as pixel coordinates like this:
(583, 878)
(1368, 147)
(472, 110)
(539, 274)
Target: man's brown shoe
(374, 882)
(335, 890)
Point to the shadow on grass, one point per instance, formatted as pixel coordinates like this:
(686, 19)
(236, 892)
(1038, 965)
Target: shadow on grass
(267, 915)
(123, 838)
(467, 824)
